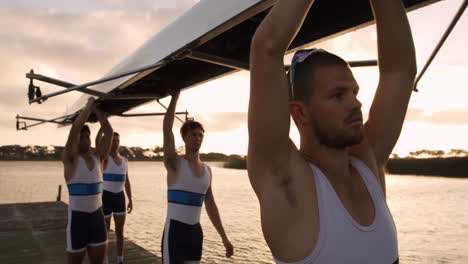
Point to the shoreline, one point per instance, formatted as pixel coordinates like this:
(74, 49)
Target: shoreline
(454, 167)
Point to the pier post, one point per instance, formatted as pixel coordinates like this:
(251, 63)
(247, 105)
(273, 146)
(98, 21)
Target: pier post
(59, 194)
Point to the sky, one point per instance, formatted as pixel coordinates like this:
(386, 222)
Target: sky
(79, 41)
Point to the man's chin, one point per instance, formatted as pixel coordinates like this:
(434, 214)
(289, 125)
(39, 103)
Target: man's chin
(84, 151)
(194, 148)
(349, 141)
(356, 139)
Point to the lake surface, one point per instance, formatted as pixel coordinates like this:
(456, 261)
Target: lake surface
(431, 213)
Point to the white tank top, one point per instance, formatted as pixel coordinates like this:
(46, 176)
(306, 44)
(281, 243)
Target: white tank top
(185, 197)
(85, 187)
(115, 175)
(343, 240)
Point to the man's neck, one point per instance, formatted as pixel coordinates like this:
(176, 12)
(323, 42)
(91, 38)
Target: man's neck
(114, 154)
(86, 154)
(192, 156)
(334, 163)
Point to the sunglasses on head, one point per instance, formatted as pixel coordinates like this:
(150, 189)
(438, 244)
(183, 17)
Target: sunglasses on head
(299, 56)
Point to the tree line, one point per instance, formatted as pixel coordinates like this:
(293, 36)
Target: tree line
(54, 153)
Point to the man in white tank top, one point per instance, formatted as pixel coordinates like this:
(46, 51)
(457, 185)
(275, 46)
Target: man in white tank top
(325, 202)
(189, 186)
(115, 176)
(86, 230)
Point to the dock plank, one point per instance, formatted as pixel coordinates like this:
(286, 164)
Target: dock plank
(35, 233)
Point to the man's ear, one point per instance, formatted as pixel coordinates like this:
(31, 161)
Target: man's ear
(298, 112)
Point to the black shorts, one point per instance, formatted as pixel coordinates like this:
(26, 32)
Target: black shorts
(181, 242)
(113, 203)
(85, 230)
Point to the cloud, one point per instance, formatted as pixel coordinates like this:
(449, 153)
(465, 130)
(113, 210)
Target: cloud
(443, 118)
(426, 35)
(7, 121)
(453, 117)
(83, 6)
(213, 122)
(74, 47)
(89, 43)
(223, 121)
(361, 42)
(456, 117)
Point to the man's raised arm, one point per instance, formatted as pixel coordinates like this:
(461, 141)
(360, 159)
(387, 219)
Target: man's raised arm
(268, 117)
(170, 154)
(104, 147)
(397, 66)
(99, 137)
(71, 147)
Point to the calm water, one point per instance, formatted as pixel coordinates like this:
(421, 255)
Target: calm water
(431, 213)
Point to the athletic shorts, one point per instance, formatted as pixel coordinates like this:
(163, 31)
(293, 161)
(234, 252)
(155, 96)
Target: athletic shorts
(85, 230)
(181, 242)
(113, 203)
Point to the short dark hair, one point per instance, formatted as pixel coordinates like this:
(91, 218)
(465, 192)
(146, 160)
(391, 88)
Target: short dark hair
(302, 89)
(116, 134)
(189, 125)
(85, 128)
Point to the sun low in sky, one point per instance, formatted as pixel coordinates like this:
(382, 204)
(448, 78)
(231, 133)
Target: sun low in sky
(80, 41)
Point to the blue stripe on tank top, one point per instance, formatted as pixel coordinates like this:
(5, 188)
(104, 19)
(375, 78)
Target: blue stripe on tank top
(114, 177)
(186, 198)
(81, 189)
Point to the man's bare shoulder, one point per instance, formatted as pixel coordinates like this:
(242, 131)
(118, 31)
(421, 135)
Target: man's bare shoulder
(69, 160)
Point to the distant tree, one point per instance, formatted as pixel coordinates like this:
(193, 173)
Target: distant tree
(58, 151)
(457, 152)
(137, 152)
(425, 152)
(126, 152)
(158, 150)
(212, 156)
(236, 162)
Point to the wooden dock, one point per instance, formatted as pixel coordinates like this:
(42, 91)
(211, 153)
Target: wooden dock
(35, 233)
